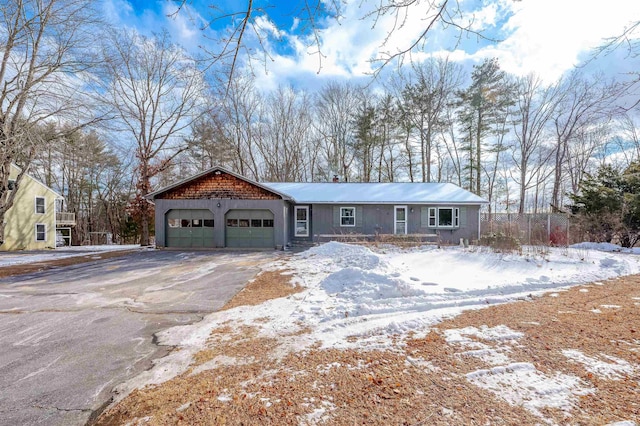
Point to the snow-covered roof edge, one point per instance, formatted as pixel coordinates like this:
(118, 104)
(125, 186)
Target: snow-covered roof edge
(432, 193)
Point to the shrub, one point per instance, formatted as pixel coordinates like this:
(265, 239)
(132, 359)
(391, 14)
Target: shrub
(500, 242)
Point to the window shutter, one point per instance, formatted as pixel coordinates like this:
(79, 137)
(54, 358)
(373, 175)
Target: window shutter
(463, 217)
(336, 216)
(359, 218)
(424, 217)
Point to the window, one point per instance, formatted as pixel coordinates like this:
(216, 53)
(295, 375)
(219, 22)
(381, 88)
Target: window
(40, 205)
(244, 223)
(444, 217)
(11, 185)
(232, 223)
(302, 221)
(196, 223)
(208, 223)
(185, 223)
(41, 232)
(432, 217)
(173, 223)
(267, 223)
(256, 223)
(347, 216)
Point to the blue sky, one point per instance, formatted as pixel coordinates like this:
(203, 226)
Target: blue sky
(546, 37)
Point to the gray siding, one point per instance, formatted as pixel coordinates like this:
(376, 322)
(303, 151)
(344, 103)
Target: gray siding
(379, 219)
(277, 207)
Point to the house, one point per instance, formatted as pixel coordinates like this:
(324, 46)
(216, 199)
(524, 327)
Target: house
(32, 222)
(219, 208)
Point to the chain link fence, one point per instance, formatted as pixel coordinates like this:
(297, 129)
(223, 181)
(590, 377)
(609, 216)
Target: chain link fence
(528, 228)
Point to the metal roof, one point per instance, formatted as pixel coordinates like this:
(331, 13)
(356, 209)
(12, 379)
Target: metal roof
(376, 193)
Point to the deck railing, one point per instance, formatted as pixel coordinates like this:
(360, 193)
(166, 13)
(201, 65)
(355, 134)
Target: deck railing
(65, 219)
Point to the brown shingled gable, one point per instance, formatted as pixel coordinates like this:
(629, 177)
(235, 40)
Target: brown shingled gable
(218, 184)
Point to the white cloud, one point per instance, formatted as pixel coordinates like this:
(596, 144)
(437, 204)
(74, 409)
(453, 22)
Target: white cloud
(184, 26)
(549, 36)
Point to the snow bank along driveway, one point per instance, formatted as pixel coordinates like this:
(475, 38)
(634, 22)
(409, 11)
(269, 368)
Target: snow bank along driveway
(387, 293)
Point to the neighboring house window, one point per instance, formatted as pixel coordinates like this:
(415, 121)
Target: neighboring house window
(444, 217)
(347, 216)
(40, 205)
(302, 221)
(41, 232)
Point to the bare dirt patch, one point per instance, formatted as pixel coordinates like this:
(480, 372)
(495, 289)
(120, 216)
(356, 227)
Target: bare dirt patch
(420, 381)
(27, 268)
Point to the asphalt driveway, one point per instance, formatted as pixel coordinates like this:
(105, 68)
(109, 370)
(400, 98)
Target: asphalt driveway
(69, 335)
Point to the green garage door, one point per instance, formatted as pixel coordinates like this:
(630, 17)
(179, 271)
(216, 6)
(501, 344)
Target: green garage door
(189, 228)
(249, 228)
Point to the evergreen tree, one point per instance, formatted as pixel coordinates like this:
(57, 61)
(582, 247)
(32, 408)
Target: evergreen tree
(608, 205)
(482, 105)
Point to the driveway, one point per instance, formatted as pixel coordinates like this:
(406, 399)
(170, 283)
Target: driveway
(69, 335)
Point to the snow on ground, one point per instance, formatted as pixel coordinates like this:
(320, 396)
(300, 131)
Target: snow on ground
(388, 292)
(23, 257)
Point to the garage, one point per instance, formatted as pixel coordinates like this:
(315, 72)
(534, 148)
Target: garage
(189, 228)
(250, 228)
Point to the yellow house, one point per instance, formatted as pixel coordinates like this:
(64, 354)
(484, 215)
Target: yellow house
(31, 221)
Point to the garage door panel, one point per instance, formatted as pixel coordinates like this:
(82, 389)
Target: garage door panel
(189, 228)
(246, 228)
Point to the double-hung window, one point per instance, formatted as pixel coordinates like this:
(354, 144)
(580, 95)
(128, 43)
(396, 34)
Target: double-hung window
(444, 217)
(302, 221)
(347, 216)
(40, 205)
(41, 232)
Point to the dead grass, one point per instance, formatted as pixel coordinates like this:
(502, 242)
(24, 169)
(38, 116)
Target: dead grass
(266, 286)
(421, 381)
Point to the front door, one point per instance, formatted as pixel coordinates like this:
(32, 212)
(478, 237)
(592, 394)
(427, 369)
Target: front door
(400, 220)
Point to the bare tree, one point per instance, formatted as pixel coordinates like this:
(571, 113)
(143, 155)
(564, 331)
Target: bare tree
(584, 102)
(44, 49)
(534, 107)
(334, 106)
(157, 92)
(424, 101)
(284, 142)
(240, 110)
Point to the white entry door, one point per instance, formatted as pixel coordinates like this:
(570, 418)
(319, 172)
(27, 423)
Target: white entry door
(400, 220)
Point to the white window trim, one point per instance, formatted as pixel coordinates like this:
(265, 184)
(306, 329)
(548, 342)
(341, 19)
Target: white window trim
(45, 232)
(354, 217)
(434, 213)
(395, 219)
(35, 204)
(295, 221)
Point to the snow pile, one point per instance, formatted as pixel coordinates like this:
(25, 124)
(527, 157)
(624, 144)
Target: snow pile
(352, 290)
